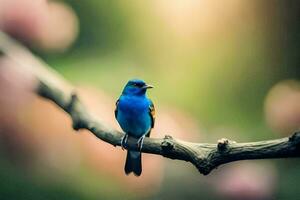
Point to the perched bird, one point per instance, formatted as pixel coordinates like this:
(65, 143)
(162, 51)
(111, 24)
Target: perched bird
(135, 114)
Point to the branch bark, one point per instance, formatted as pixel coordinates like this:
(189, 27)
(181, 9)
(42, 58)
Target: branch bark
(205, 157)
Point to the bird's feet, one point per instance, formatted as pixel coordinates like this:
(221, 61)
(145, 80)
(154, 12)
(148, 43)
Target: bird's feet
(141, 142)
(124, 141)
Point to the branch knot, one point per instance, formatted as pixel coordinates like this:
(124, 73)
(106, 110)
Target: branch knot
(223, 144)
(74, 108)
(167, 143)
(295, 138)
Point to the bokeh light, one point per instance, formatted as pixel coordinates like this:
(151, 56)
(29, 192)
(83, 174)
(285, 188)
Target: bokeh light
(220, 69)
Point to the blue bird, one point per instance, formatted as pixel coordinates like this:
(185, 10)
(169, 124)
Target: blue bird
(135, 114)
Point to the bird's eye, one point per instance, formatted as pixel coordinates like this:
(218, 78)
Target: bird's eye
(133, 84)
(137, 85)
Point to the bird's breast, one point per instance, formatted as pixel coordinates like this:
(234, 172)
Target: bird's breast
(133, 116)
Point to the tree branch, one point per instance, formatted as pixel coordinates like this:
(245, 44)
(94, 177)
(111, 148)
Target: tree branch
(205, 157)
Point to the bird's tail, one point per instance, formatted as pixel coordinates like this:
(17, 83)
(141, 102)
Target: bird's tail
(133, 163)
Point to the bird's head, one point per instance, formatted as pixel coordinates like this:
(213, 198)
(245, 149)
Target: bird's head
(136, 87)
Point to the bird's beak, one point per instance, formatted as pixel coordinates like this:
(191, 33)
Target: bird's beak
(147, 86)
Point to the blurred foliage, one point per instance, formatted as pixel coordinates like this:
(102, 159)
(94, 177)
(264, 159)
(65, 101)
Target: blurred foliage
(102, 25)
(220, 73)
(223, 81)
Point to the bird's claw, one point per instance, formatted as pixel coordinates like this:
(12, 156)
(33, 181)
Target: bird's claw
(124, 141)
(141, 142)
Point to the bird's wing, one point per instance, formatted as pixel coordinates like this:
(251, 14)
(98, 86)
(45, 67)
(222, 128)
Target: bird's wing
(116, 109)
(152, 116)
(152, 113)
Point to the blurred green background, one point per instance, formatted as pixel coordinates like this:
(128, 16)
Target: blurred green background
(231, 66)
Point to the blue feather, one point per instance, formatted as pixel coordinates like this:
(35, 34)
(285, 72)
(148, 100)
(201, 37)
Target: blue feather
(133, 113)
